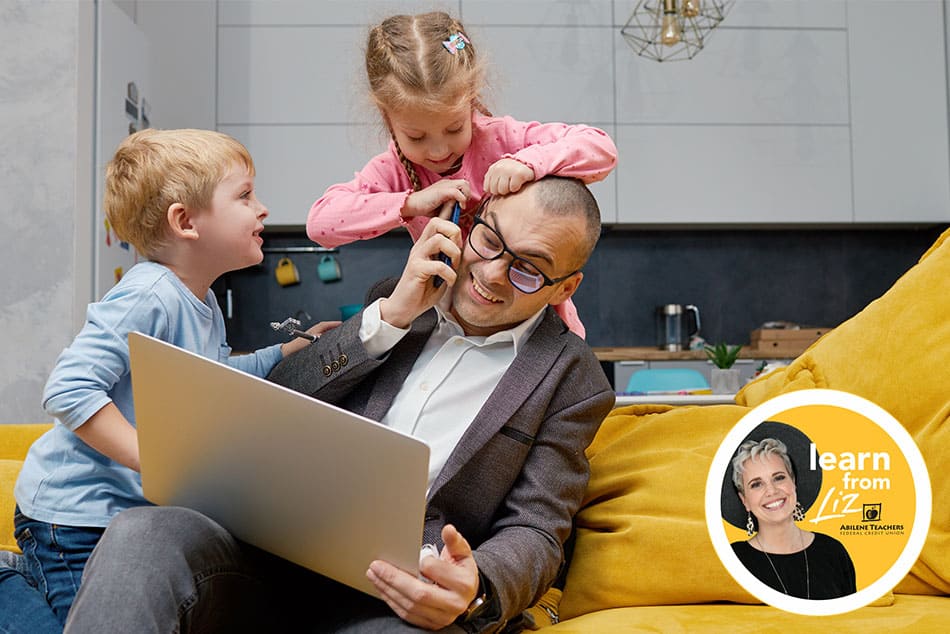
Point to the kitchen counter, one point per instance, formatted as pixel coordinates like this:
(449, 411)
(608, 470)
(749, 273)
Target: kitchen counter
(675, 399)
(654, 354)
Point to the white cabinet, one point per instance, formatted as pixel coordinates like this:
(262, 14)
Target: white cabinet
(898, 86)
(623, 370)
(830, 112)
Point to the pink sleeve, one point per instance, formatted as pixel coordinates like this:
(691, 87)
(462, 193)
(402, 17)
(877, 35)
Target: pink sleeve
(578, 151)
(567, 311)
(365, 207)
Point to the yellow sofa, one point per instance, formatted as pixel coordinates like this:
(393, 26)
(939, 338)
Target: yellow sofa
(643, 561)
(15, 440)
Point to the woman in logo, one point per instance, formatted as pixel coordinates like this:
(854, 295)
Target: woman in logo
(766, 496)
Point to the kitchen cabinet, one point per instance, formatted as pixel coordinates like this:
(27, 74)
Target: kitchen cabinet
(898, 86)
(796, 112)
(816, 112)
(623, 370)
(626, 361)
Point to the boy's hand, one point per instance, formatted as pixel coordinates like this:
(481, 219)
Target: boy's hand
(435, 605)
(415, 293)
(506, 176)
(428, 201)
(298, 343)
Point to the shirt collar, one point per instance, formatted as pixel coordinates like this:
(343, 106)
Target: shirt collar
(516, 335)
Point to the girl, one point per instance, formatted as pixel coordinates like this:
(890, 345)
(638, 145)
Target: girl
(425, 78)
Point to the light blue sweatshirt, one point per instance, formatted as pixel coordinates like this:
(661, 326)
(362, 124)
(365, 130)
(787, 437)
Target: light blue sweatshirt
(64, 481)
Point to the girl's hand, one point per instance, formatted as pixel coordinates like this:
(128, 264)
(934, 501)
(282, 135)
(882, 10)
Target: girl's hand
(428, 201)
(506, 176)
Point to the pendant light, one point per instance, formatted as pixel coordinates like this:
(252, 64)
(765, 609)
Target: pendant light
(671, 30)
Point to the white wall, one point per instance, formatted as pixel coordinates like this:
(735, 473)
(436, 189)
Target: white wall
(45, 127)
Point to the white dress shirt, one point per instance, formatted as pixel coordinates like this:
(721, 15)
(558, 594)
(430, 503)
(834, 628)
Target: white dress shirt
(449, 382)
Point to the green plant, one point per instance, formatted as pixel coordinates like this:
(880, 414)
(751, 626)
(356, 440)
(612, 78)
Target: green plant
(722, 355)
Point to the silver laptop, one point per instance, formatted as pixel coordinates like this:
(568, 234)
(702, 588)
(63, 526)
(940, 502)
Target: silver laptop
(305, 480)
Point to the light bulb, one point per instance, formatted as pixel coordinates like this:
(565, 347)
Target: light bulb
(670, 32)
(690, 8)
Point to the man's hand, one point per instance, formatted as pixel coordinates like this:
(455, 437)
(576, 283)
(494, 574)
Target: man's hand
(415, 292)
(428, 201)
(506, 176)
(435, 605)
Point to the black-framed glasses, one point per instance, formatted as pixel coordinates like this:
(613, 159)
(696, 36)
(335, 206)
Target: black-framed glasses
(488, 244)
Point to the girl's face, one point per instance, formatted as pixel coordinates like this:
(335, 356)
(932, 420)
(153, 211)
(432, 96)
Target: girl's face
(434, 140)
(768, 490)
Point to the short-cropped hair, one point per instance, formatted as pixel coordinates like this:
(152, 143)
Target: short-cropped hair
(759, 450)
(154, 169)
(563, 196)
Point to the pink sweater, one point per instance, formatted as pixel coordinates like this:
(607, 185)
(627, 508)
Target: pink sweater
(370, 204)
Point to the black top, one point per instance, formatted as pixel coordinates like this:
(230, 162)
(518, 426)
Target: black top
(830, 569)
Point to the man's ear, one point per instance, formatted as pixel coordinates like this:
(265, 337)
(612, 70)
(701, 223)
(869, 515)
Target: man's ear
(180, 222)
(568, 287)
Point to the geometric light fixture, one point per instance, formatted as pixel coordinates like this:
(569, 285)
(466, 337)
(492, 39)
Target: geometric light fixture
(672, 30)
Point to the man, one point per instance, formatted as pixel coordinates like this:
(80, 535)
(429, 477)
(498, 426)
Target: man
(484, 371)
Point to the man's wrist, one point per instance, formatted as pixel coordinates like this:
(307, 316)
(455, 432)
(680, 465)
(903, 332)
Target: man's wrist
(480, 604)
(392, 316)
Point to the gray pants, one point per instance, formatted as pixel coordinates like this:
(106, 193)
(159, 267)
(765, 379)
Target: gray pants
(169, 569)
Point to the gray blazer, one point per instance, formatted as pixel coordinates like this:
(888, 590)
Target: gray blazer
(517, 476)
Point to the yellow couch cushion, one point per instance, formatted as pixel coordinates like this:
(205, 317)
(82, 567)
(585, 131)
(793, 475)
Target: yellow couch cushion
(8, 474)
(908, 615)
(15, 441)
(641, 531)
(895, 353)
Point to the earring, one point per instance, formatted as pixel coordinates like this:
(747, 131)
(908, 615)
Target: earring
(749, 526)
(799, 513)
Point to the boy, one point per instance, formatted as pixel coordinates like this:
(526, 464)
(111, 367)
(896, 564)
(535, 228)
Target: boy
(185, 200)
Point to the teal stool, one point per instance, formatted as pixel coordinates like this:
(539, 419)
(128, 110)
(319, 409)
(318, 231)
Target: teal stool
(667, 380)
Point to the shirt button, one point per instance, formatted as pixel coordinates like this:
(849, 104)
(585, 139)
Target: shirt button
(424, 386)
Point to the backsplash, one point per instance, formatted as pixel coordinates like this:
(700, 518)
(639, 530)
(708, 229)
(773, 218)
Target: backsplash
(738, 279)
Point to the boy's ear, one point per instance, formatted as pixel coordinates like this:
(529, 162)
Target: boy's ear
(181, 223)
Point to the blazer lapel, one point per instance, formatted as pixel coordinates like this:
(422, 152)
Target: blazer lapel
(398, 365)
(529, 368)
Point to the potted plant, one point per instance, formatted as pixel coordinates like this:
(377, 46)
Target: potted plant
(724, 379)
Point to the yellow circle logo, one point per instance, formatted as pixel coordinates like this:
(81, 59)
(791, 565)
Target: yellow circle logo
(862, 495)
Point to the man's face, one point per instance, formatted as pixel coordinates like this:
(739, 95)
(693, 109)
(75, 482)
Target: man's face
(483, 300)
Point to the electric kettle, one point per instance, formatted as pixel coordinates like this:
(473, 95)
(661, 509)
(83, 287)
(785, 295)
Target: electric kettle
(675, 324)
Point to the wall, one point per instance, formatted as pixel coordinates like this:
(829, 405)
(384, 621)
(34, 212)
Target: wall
(46, 127)
(738, 279)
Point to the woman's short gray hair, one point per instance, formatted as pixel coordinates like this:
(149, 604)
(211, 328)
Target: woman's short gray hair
(758, 450)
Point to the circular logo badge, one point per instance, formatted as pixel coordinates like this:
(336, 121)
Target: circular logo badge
(843, 527)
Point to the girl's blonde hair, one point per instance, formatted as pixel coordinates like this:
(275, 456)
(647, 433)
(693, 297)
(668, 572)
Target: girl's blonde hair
(409, 66)
(153, 169)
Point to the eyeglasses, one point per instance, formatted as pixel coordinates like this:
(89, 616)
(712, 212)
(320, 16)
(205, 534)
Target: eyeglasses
(488, 245)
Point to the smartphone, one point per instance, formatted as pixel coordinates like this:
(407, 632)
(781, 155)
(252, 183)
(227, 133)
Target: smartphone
(456, 212)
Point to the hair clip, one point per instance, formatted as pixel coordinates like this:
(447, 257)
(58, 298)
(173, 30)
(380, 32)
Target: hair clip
(455, 42)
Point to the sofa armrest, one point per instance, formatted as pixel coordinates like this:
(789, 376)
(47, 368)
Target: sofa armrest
(15, 441)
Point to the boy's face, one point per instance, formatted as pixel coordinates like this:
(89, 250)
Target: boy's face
(230, 229)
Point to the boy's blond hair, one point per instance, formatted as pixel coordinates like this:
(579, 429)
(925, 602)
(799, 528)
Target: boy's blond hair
(413, 62)
(153, 169)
